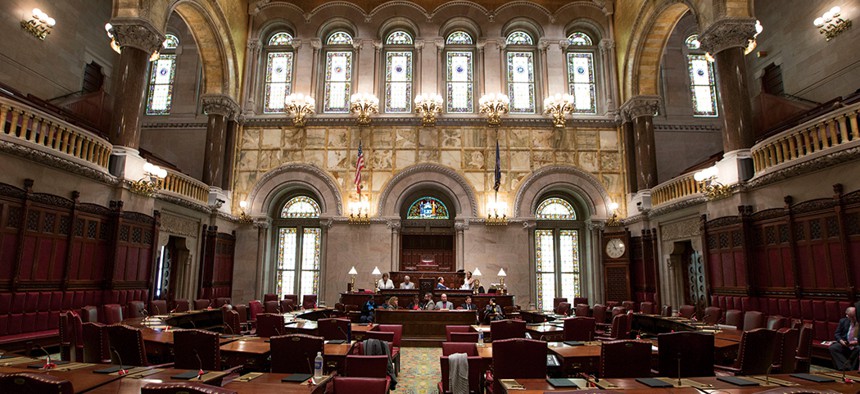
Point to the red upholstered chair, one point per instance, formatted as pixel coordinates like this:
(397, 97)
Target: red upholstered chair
(563, 309)
(335, 329)
(183, 388)
(580, 300)
(255, 307)
(89, 313)
(775, 322)
(556, 301)
(309, 301)
(136, 309)
(506, 329)
(270, 297)
(127, 343)
(755, 354)
(618, 331)
(734, 317)
(242, 310)
(476, 370)
(397, 329)
(389, 337)
(272, 307)
(96, 343)
(348, 385)
(625, 359)
(287, 305)
(452, 329)
(295, 353)
(713, 315)
(470, 337)
(618, 310)
(269, 325)
(599, 314)
(804, 349)
(71, 337)
(449, 348)
(196, 349)
(581, 310)
(221, 301)
(687, 311)
(628, 305)
(26, 382)
(785, 358)
(181, 306)
(646, 307)
(158, 307)
(232, 325)
(579, 329)
(517, 358)
(753, 320)
(360, 366)
(112, 313)
(201, 303)
(666, 311)
(695, 349)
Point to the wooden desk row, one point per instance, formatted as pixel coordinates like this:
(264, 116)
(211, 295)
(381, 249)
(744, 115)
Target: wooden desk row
(457, 297)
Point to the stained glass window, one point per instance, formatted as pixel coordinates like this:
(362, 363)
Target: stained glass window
(579, 38)
(282, 38)
(279, 80)
(519, 38)
(286, 268)
(427, 208)
(702, 85)
(581, 81)
(310, 271)
(398, 81)
(545, 268)
(298, 249)
(300, 207)
(338, 81)
(556, 209)
(459, 82)
(568, 244)
(692, 42)
(459, 37)
(399, 37)
(170, 41)
(339, 38)
(161, 76)
(521, 82)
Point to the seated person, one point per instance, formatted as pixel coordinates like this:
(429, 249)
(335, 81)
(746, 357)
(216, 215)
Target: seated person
(493, 311)
(444, 303)
(416, 304)
(429, 305)
(407, 285)
(440, 284)
(476, 286)
(368, 310)
(384, 283)
(468, 305)
(467, 281)
(845, 350)
(391, 304)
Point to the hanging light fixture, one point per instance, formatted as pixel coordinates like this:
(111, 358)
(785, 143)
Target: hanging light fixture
(494, 105)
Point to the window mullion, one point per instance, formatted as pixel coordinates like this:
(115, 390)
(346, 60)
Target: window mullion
(300, 235)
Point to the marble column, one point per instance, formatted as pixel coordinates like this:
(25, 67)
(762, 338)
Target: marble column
(641, 110)
(629, 153)
(394, 226)
(725, 40)
(460, 243)
(138, 40)
(219, 108)
(230, 154)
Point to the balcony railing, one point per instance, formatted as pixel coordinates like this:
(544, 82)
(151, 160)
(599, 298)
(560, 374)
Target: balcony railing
(184, 186)
(830, 131)
(675, 188)
(27, 126)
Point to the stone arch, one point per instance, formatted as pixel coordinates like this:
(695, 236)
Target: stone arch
(275, 183)
(460, 23)
(427, 175)
(523, 23)
(335, 24)
(584, 187)
(397, 23)
(645, 65)
(272, 26)
(588, 26)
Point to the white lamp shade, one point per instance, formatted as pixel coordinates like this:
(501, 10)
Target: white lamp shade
(477, 272)
(376, 271)
(352, 271)
(502, 272)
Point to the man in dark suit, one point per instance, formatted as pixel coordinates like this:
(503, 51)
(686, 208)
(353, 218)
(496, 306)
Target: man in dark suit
(845, 350)
(468, 305)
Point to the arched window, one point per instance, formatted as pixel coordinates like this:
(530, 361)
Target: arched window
(521, 72)
(459, 72)
(557, 252)
(161, 75)
(279, 71)
(297, 268)
(427, 208)
(398, 72)
(337, 84)
(581, 79)
(703, 85)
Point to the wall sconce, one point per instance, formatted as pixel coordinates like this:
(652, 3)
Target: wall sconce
(497, 213)
(429, 107)
(300, 106)
(830, 24)
(613, 220)
(149, 184)
(751, 45)
(39, 25)
(243, 216)
(558, 106)
(711, 188)
(494, 105)
(364, 105)
(502, 276)
(352, 272)
(358, 212)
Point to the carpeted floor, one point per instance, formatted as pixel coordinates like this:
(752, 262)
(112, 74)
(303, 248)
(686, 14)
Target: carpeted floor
(419, 370)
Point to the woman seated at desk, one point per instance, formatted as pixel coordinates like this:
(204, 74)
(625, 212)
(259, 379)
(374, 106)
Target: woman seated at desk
(467, 281)
(384, 283)
(392, 303)
(493, 311)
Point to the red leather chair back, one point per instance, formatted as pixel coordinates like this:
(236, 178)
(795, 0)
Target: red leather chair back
(96, 343)
(77, 345)
(309, 301)
(582, 310)
(255, 307)
(625, 359)
(89, 313)
(220, 301)
(563, 308)
(785, 358)
(804, 349)
(271, 307)
(734, 317)
(292, 297)
(287, 305)
(506, 329)
(232, 325)
(470, 337)
(449, 348)
(201, 304)
(687, 311)
(183, 388)
(360, 366)
(66, 336)
(348, 385)
(295, 353)
(628, 305)
(127, 342)
(397, 329)
(181, 306)
(580, 300)
(386, 336)
(775, 322)
(753, 320)
(113, 313)
(136, 309)
(618, 310)
(556, 301)
(334, 329)
(242, 310)
(188, 345)
(579, 329)
(713, 315)
(476, 369)
(269, 325)
(158, 307)
(518, 358)
(754, 345)
(599, 313)
(26, 382)
(696, 351)
(270, 297)
(450, 329)
(646, 307)
(619, 327)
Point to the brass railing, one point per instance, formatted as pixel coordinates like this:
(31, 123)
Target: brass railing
(25, 125)
(184, 186)
(827, 132)
(675, 188)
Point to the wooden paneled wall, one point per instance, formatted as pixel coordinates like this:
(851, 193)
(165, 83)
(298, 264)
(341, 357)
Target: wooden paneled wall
(216, 268)
(643, 266)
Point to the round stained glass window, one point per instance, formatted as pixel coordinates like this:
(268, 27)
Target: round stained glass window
(459, 69)
(162, 71)
(520, 69)
(580, 70)
(701, 73)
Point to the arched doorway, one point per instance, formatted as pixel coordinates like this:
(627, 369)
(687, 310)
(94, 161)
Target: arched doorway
(427, 240)
(558, 251)
(297, 247)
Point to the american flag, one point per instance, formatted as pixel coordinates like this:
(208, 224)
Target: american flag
(359, 165)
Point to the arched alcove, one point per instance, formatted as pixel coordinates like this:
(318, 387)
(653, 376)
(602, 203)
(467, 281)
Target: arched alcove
(285, 179)
(580, 185)
(428, 176)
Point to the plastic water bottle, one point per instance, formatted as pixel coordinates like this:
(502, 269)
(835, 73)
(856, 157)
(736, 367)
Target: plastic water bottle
(318, 365)
(480, 338)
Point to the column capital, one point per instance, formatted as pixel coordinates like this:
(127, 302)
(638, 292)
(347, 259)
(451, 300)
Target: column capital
(316, 43)
(640, 106)
(218, 104)
(254, 46)
(606, 45)
(727, 33)
(393, 224)
(136, 33)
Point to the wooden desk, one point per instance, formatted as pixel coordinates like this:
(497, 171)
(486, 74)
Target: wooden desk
(159, 343)
(271, 383)
(311, 327)
(132, 383)
(405, 297)
(424, 328)
(546, 332)
(203, 319)
(539, 386)
(82, 379)
(252, 352)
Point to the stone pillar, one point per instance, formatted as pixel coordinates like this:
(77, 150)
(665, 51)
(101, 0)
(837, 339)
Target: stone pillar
(641, 110)
(252, 63)
(459, 243)
(219, 108)
(627, 136)
(262, 280)
(230, 154)
(607, 57)
(394, 226)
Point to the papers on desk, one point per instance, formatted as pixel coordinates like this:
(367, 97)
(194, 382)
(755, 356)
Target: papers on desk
(738, 381)
(335, 341)
(145, 373)
(812, 378)
(654, 383)
(566, 383)
(511, 384)
(297, 377)
(686, 383)
(249, 377)
(16, 361)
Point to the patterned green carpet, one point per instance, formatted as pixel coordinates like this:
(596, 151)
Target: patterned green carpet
(419, 370)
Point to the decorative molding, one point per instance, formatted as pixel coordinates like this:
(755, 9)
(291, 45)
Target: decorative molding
(429, 168)
(641, 106)
(663, 127)
(676, 205)
(461, 225)
(727, 33)
(683, 229)
(393, 224)
(293, 168)
(179, 225)
(136, 33)
(595, 224)
(168, 125)
(724, 221)
(326, 223)
(412, 120)
(180, 201)
(52, 200)
(54, 160)
(263, 223)
(805, 167)
(606, 45)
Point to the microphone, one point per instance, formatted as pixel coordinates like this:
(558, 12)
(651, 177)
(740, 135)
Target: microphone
(227, 326)
(194, 326)
(200, 371)
(48, 363)
(767, 374)
(157, 312)
(345, 335)
(121, 371)
(310, 364)
(679, 369)
(843, 368)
